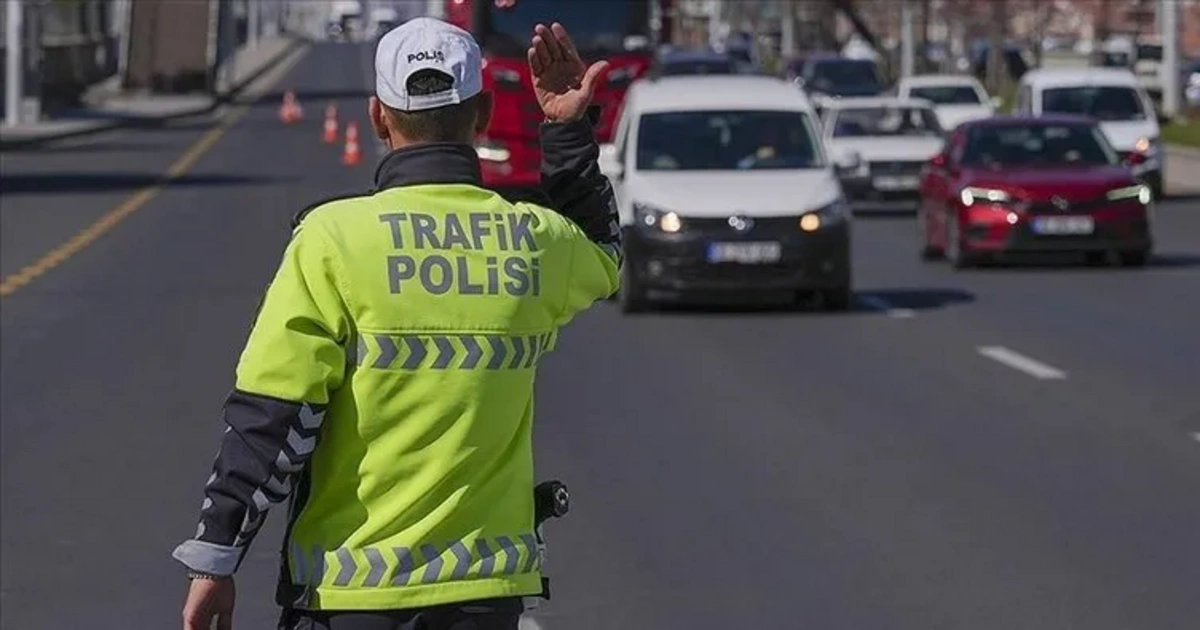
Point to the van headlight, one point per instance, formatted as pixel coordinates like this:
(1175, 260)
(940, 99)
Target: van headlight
(1141, 192)
(1147, 146)
(826, 215)
(652, 218)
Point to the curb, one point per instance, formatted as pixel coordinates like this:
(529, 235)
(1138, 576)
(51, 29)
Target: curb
(152, 121)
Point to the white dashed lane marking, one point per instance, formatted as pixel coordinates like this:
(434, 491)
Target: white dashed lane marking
(1022, 363)
(529, 623)
(876, 303)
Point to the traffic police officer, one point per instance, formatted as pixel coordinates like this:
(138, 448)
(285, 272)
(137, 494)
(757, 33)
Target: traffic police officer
(387, 384)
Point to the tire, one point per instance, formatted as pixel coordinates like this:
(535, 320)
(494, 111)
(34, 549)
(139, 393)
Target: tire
(1096, 259)
(631, 297)
(954, 254)
(1155, 182)
(837, 300)
(1134, 259)
(926, 251)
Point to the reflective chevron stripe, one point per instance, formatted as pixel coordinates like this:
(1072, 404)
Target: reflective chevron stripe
(379, 567)
(452, 351)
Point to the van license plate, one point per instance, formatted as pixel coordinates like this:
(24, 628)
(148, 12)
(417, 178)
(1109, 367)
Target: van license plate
(745, 253)
(897, 183)
(1064, 225)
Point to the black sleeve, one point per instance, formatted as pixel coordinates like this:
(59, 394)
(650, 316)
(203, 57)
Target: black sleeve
(266, 445)
(572, 180)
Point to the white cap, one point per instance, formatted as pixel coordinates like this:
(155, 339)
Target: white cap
(427, 44)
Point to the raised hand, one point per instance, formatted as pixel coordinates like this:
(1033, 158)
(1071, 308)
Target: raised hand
(562, 83)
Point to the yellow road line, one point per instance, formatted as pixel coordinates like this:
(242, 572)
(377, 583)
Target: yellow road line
(88, 235)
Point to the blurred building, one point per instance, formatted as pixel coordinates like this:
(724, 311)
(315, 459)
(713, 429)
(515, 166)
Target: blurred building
(68, 47)
(155, 45)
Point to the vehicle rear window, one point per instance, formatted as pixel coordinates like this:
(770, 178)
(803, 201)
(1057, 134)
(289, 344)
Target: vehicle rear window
(726, 140)
(885, 121)
(1107, 103)
(1037, 145)
(947, 94)
(859, 76)
(699, 66)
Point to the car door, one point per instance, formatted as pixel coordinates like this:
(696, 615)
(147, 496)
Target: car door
(621, 146)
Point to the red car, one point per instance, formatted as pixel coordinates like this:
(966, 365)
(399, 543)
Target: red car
(1047, 184)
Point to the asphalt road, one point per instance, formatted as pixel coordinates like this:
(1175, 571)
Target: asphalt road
(998, 449)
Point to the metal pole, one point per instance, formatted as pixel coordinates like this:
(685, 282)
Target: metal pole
(14, 69)
(907, 56)
(1169, 70)
(253, 7)
(787, 30)
(995, 58)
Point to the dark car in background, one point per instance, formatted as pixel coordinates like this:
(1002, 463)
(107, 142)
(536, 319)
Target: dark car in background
(827, 75)
(675, 62)
(1021, 185)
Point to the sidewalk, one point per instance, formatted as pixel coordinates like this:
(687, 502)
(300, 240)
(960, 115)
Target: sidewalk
(1182, 171)
(113, 109)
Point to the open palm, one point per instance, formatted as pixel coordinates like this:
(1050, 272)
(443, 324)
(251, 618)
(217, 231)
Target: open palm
(562, 83)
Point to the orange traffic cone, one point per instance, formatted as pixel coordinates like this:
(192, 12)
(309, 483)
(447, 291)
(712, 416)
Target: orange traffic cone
(331, 124)
(351, 155)
(290, 111)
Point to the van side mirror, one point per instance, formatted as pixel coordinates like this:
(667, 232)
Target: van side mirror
(849, 164)
(610, 162)
(1164, 119)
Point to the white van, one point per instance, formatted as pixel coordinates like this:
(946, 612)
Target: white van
(723, 185)
(1114, 97)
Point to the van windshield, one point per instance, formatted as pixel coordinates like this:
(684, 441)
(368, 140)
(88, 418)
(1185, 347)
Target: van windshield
(726, 141)
(1108, 103)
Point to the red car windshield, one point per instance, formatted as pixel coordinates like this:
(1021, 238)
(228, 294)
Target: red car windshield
(994, 146)
(598, 29)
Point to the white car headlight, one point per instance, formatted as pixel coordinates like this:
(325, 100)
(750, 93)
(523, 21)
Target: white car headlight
(492, 151)
(971, 195)
(653, 218)
(1140, 192)
(506, 77)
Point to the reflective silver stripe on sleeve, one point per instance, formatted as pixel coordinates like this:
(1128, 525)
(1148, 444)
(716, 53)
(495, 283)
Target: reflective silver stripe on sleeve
(207, 557)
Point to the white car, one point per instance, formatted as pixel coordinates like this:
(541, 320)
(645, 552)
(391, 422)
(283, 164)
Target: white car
(956, 98)
(723, 186)
(1114, 97)
(880, 144)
